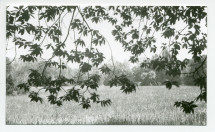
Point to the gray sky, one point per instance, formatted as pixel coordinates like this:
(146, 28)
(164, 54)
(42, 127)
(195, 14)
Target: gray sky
(105, 29)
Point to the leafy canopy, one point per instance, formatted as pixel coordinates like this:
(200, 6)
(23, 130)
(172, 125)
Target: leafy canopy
(134, 28)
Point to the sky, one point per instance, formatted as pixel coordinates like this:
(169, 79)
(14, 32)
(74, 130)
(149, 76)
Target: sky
(105, 29)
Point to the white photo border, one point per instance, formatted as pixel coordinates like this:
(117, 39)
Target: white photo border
(107, 128)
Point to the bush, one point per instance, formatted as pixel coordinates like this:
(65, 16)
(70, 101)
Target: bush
(9, 85)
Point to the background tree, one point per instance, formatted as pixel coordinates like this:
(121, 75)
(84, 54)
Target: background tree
(18, 73)
(9, 81)
(119, 68)
(135, 28)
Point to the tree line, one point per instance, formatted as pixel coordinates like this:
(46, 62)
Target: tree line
(18, 72)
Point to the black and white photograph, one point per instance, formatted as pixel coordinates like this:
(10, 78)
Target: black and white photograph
(106, 65)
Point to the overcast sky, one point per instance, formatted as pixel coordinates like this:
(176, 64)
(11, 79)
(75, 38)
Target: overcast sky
(105, 29)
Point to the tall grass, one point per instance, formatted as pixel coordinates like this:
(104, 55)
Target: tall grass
(152, 105)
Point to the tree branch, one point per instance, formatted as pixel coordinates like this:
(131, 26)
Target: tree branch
(196, 69)
(56, 48)
(50, 29)
(70, 25)
(60, 68)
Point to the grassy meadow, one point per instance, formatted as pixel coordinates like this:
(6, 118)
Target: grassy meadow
(150, 105)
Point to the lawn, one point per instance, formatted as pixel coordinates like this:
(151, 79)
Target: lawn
(150, 105)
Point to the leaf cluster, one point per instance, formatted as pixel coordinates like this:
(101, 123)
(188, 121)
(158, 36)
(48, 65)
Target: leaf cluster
(126, 84)
(187, 107)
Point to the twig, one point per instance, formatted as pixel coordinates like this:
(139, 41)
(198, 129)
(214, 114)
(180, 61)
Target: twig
(183, 29)
(60, 68)
(193, 72)
(63, 89)
(100, 34)
(50, 29)
(70, 25)
(169, 47)
(56, 48)
(40, 90)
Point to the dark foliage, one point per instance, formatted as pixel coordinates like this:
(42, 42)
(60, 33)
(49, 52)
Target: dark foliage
(132, 40)
(127, 86)
(9, 85)
(187, 107)
(170, 83)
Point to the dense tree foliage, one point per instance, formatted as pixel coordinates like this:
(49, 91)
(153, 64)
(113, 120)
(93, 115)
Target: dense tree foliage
(17, 73)
(135, 28)
(9, 79)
